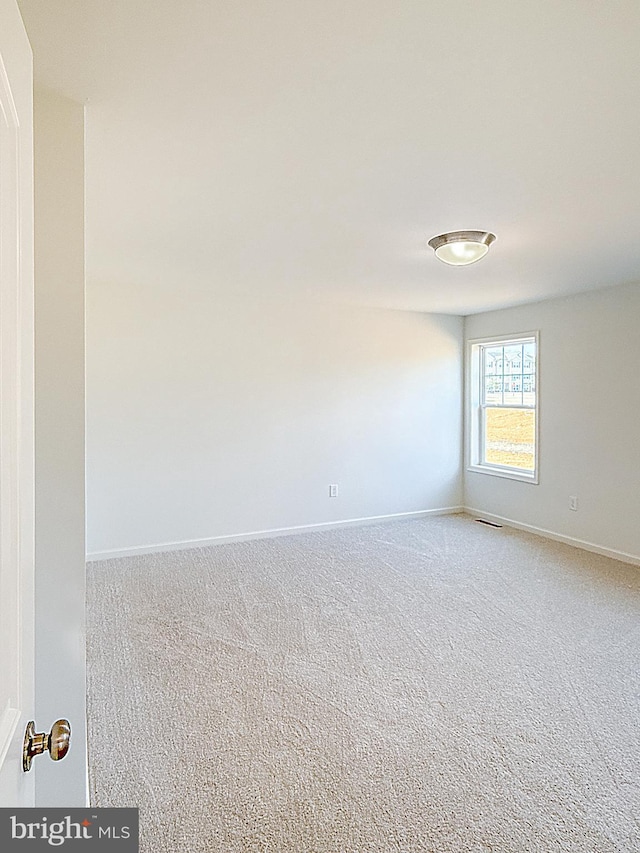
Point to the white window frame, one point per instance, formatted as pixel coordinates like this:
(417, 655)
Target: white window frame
(475, 409)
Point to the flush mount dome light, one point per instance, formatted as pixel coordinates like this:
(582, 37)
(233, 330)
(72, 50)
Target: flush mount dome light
(462, 247)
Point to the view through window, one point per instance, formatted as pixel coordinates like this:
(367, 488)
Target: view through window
(505, 400)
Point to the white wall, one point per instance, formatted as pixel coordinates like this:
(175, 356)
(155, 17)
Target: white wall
(210, 417)
(59, 429)
(589, 420)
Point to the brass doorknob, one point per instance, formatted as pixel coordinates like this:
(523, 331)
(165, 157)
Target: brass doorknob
(56, 742)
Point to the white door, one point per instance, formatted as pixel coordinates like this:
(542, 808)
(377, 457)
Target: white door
(16, 406)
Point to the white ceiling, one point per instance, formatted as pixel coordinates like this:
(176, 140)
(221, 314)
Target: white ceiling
(292, 148)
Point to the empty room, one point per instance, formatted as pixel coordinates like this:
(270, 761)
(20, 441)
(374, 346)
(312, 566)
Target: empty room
(322, 371)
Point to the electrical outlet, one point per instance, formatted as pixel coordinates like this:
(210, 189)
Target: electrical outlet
(573, 502)
(333, 490)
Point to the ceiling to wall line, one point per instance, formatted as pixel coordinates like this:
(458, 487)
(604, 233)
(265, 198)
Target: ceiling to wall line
(291, 149)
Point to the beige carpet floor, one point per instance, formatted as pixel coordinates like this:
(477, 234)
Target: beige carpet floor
(426, 685)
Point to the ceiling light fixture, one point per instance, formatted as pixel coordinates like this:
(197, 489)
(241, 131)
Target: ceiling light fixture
(461, 247)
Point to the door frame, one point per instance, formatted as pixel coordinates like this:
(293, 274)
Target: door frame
(17, 488)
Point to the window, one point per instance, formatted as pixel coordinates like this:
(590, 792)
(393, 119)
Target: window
(503, 410)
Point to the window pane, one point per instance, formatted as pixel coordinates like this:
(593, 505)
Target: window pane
(493, 390)
(509, 437)
(493, 375)
(493, 359)
(529, 389)
(529, 356)
(513, 359)
(513, 391)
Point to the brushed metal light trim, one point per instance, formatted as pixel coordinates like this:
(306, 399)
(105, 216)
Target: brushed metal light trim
(485, 237)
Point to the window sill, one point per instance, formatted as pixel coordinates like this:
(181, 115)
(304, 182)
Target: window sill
(507, 473)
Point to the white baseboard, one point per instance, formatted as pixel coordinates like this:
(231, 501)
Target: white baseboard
(266, 534)
(558, 537)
